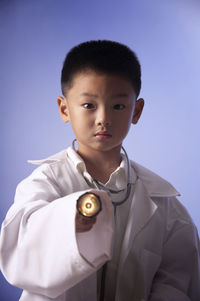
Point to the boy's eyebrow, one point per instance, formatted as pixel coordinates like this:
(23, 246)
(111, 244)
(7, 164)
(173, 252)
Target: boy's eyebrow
(89, 94)
(120, 95)
(114, 95)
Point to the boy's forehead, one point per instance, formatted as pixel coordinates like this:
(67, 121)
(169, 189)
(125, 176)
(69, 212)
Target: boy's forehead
(89, 81)
(88, 73)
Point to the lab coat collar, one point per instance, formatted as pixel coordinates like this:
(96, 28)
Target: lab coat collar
(51, 159)
(154, 184)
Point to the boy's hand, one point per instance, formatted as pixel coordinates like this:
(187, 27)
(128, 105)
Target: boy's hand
(84, 224)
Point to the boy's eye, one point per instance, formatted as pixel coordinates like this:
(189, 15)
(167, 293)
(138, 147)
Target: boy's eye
(119, 107)
(88, 106)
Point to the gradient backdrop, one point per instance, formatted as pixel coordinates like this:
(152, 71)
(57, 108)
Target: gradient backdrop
(35, 36)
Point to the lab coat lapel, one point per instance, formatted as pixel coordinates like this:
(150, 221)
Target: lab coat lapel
(142, 209)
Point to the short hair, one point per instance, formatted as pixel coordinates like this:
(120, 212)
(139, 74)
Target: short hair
(101, 56)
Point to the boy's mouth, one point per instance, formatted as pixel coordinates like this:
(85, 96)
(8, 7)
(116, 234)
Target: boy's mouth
(103, 135)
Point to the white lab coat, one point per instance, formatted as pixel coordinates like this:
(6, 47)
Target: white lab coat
(39, 251)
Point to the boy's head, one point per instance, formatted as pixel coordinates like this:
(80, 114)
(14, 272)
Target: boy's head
(100, 83)
(101, 56)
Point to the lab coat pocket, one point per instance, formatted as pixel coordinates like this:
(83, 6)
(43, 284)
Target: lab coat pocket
(150, 262)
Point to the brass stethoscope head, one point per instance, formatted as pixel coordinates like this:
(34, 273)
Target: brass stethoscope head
(89, 204)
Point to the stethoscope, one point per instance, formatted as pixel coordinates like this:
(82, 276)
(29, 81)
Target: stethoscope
(99, 186)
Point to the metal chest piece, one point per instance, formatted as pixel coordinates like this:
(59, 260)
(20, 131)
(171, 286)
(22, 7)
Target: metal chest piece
(89, 204)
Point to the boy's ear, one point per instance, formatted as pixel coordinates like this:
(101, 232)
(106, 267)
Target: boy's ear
(62, 105)
(138, 110)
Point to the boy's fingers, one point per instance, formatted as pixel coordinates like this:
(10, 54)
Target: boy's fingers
(87, 221)
(84, 224)
(83, 228)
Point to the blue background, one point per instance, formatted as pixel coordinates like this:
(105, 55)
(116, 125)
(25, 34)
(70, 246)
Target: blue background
(35, 37)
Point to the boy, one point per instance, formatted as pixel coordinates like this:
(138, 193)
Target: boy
(143, 244)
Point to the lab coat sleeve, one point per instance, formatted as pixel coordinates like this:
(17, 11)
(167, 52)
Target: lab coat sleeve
(178, 277)
(38, 246)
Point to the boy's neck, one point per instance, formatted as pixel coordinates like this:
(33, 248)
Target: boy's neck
(100, 164)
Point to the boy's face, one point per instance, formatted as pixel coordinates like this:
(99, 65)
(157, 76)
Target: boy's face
(100, 108)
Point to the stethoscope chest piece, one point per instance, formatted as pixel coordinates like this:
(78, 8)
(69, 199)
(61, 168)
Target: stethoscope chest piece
(89, 204)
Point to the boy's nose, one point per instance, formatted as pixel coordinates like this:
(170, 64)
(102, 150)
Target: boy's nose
(103, 118)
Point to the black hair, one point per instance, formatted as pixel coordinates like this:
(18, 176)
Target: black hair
(101, 56)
